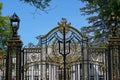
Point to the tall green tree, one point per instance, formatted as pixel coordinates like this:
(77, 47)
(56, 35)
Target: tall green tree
(5, 30)
(99, 11)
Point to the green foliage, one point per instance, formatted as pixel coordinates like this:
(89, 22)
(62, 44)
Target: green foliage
(0, 8)
(99, 11)
(5, 30)
(39, 4)
(102, 9)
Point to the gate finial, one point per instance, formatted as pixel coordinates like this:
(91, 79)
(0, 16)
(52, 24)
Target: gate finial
(64, 21)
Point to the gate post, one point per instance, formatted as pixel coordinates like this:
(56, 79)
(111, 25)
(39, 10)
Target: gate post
(13, 59)
(113, 50)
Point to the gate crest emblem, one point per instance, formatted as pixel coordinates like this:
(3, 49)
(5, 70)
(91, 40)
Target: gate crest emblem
(63, 24)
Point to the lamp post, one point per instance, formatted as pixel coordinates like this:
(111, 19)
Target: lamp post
(64, 42)
(14, 45)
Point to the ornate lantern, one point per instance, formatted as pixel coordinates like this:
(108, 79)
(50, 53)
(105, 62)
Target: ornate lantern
(14, 20)
(113, 24)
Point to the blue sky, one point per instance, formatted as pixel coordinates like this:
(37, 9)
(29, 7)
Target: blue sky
(41, 23)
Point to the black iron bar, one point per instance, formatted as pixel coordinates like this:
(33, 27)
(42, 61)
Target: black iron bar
(64, 42)
(64, 55)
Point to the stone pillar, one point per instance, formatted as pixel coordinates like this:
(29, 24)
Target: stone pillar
(113, 50)
(113, 59)
(14, 45)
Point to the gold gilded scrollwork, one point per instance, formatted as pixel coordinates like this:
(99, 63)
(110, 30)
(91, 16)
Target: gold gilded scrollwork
(56, 57)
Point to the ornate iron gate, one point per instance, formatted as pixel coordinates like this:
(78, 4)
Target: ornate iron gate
(64, 47)
(96, 63)
(31, 65)
(47, 61)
